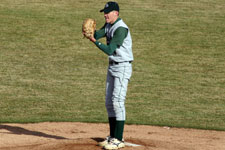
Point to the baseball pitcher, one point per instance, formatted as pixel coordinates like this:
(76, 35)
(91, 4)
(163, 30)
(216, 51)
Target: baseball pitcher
(119, 51)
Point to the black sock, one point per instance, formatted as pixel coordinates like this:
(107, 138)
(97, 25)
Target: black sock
(112, 126)
(119, 130)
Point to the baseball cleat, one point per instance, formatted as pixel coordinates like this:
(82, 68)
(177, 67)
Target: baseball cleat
(114, 144)
(105, 142)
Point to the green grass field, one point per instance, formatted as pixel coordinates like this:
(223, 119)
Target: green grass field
(48, 72)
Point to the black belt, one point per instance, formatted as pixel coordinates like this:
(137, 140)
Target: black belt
(116, 63)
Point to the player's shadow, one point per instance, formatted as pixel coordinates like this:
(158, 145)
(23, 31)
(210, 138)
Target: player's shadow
(20, 131)
(97, 139)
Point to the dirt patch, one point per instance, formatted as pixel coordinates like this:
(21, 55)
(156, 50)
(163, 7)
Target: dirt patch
(85, 136)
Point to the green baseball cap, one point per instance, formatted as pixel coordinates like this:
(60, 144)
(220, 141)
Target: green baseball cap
(110, 6)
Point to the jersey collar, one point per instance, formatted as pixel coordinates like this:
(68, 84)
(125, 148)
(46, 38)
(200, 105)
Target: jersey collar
(118, 19)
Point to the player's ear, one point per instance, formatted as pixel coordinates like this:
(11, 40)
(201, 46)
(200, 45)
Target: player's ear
(116, 13)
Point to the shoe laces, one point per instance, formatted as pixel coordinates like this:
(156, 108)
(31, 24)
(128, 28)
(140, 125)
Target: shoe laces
(114, 141)
(108, 138)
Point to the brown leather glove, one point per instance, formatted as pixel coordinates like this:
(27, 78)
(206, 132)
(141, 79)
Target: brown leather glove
(88, 28)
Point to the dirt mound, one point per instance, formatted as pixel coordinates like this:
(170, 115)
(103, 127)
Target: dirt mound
(85, 136)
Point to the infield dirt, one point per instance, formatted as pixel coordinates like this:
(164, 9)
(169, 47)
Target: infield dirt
(85, 136)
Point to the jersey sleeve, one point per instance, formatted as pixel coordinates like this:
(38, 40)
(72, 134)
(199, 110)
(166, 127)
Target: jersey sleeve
(117, 40)
(119, 36)
(100, 33)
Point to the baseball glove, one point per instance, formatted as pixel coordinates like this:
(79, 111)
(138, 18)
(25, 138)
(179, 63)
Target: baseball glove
(88, 27)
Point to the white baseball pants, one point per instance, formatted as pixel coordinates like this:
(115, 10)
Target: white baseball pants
(118, 76)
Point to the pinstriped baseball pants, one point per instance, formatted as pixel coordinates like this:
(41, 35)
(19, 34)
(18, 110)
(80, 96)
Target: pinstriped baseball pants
(118, 77)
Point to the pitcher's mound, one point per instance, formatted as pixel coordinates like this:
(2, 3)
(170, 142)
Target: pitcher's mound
(85, 136)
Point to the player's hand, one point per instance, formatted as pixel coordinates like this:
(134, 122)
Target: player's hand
(92, 39)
